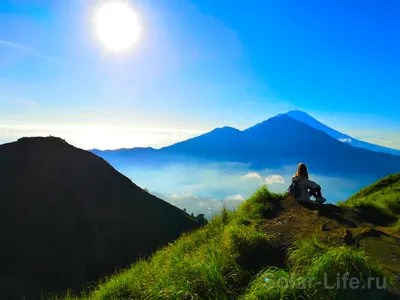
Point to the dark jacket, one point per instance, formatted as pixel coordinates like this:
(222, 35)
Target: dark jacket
(302, 187)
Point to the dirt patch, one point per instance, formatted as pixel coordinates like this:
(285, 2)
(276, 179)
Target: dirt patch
(340, 225)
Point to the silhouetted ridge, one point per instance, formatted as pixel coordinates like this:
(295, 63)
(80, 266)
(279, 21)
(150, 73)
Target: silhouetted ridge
(225, 129)
(67, 218)
(50, 140)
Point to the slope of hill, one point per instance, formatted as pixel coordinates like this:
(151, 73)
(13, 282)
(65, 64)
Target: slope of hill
(307, 119)
(380, 200)
(224, 144)
(271, 247)
(67, 218)
(274, 143)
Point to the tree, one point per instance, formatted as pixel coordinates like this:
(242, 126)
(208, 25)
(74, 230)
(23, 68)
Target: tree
(202, 219)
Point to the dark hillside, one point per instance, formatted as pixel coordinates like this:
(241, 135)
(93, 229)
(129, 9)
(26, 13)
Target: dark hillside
(67, 217)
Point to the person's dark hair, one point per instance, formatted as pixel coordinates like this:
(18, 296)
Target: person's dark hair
(301, 171)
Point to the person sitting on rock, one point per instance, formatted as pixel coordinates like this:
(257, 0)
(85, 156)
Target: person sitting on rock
(305, 188)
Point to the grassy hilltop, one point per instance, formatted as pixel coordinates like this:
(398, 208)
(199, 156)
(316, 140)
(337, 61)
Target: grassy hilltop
(270, 240)
(380, 201)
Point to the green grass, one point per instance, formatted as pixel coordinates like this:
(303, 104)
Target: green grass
(311, 261)
(230, 258)
(381, 199)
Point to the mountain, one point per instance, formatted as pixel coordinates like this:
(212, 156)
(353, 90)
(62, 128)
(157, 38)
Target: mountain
(68, 218)
(307, 119)
(276, 142)
(220, 144)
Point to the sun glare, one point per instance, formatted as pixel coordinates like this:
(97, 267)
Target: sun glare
(116, 25)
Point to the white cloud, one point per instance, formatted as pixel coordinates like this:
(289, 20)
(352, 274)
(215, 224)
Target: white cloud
(198, 204)
(253, 175)
(96, 136)
(28, 49)
(26, 102)
(234, 198)
(273, 179)
(195, 204)
(345, 140)
(179, 197)
(204, 188)
(233, 201)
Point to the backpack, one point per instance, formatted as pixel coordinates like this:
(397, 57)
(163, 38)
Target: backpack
(292, 190)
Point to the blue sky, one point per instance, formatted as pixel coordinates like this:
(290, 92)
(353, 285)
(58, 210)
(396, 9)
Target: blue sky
(199, 65)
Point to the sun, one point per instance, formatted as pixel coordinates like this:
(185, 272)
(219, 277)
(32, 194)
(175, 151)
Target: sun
(116, 25)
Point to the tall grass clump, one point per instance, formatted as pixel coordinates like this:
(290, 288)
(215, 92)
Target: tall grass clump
(258, 206)
(316, 270)
(276, 284)
(329, 263)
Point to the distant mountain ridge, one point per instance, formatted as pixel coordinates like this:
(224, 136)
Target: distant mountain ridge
(307, 119)
(276, 142)
(299, 116)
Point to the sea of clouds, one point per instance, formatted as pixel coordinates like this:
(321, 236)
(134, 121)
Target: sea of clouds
(205, 188)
